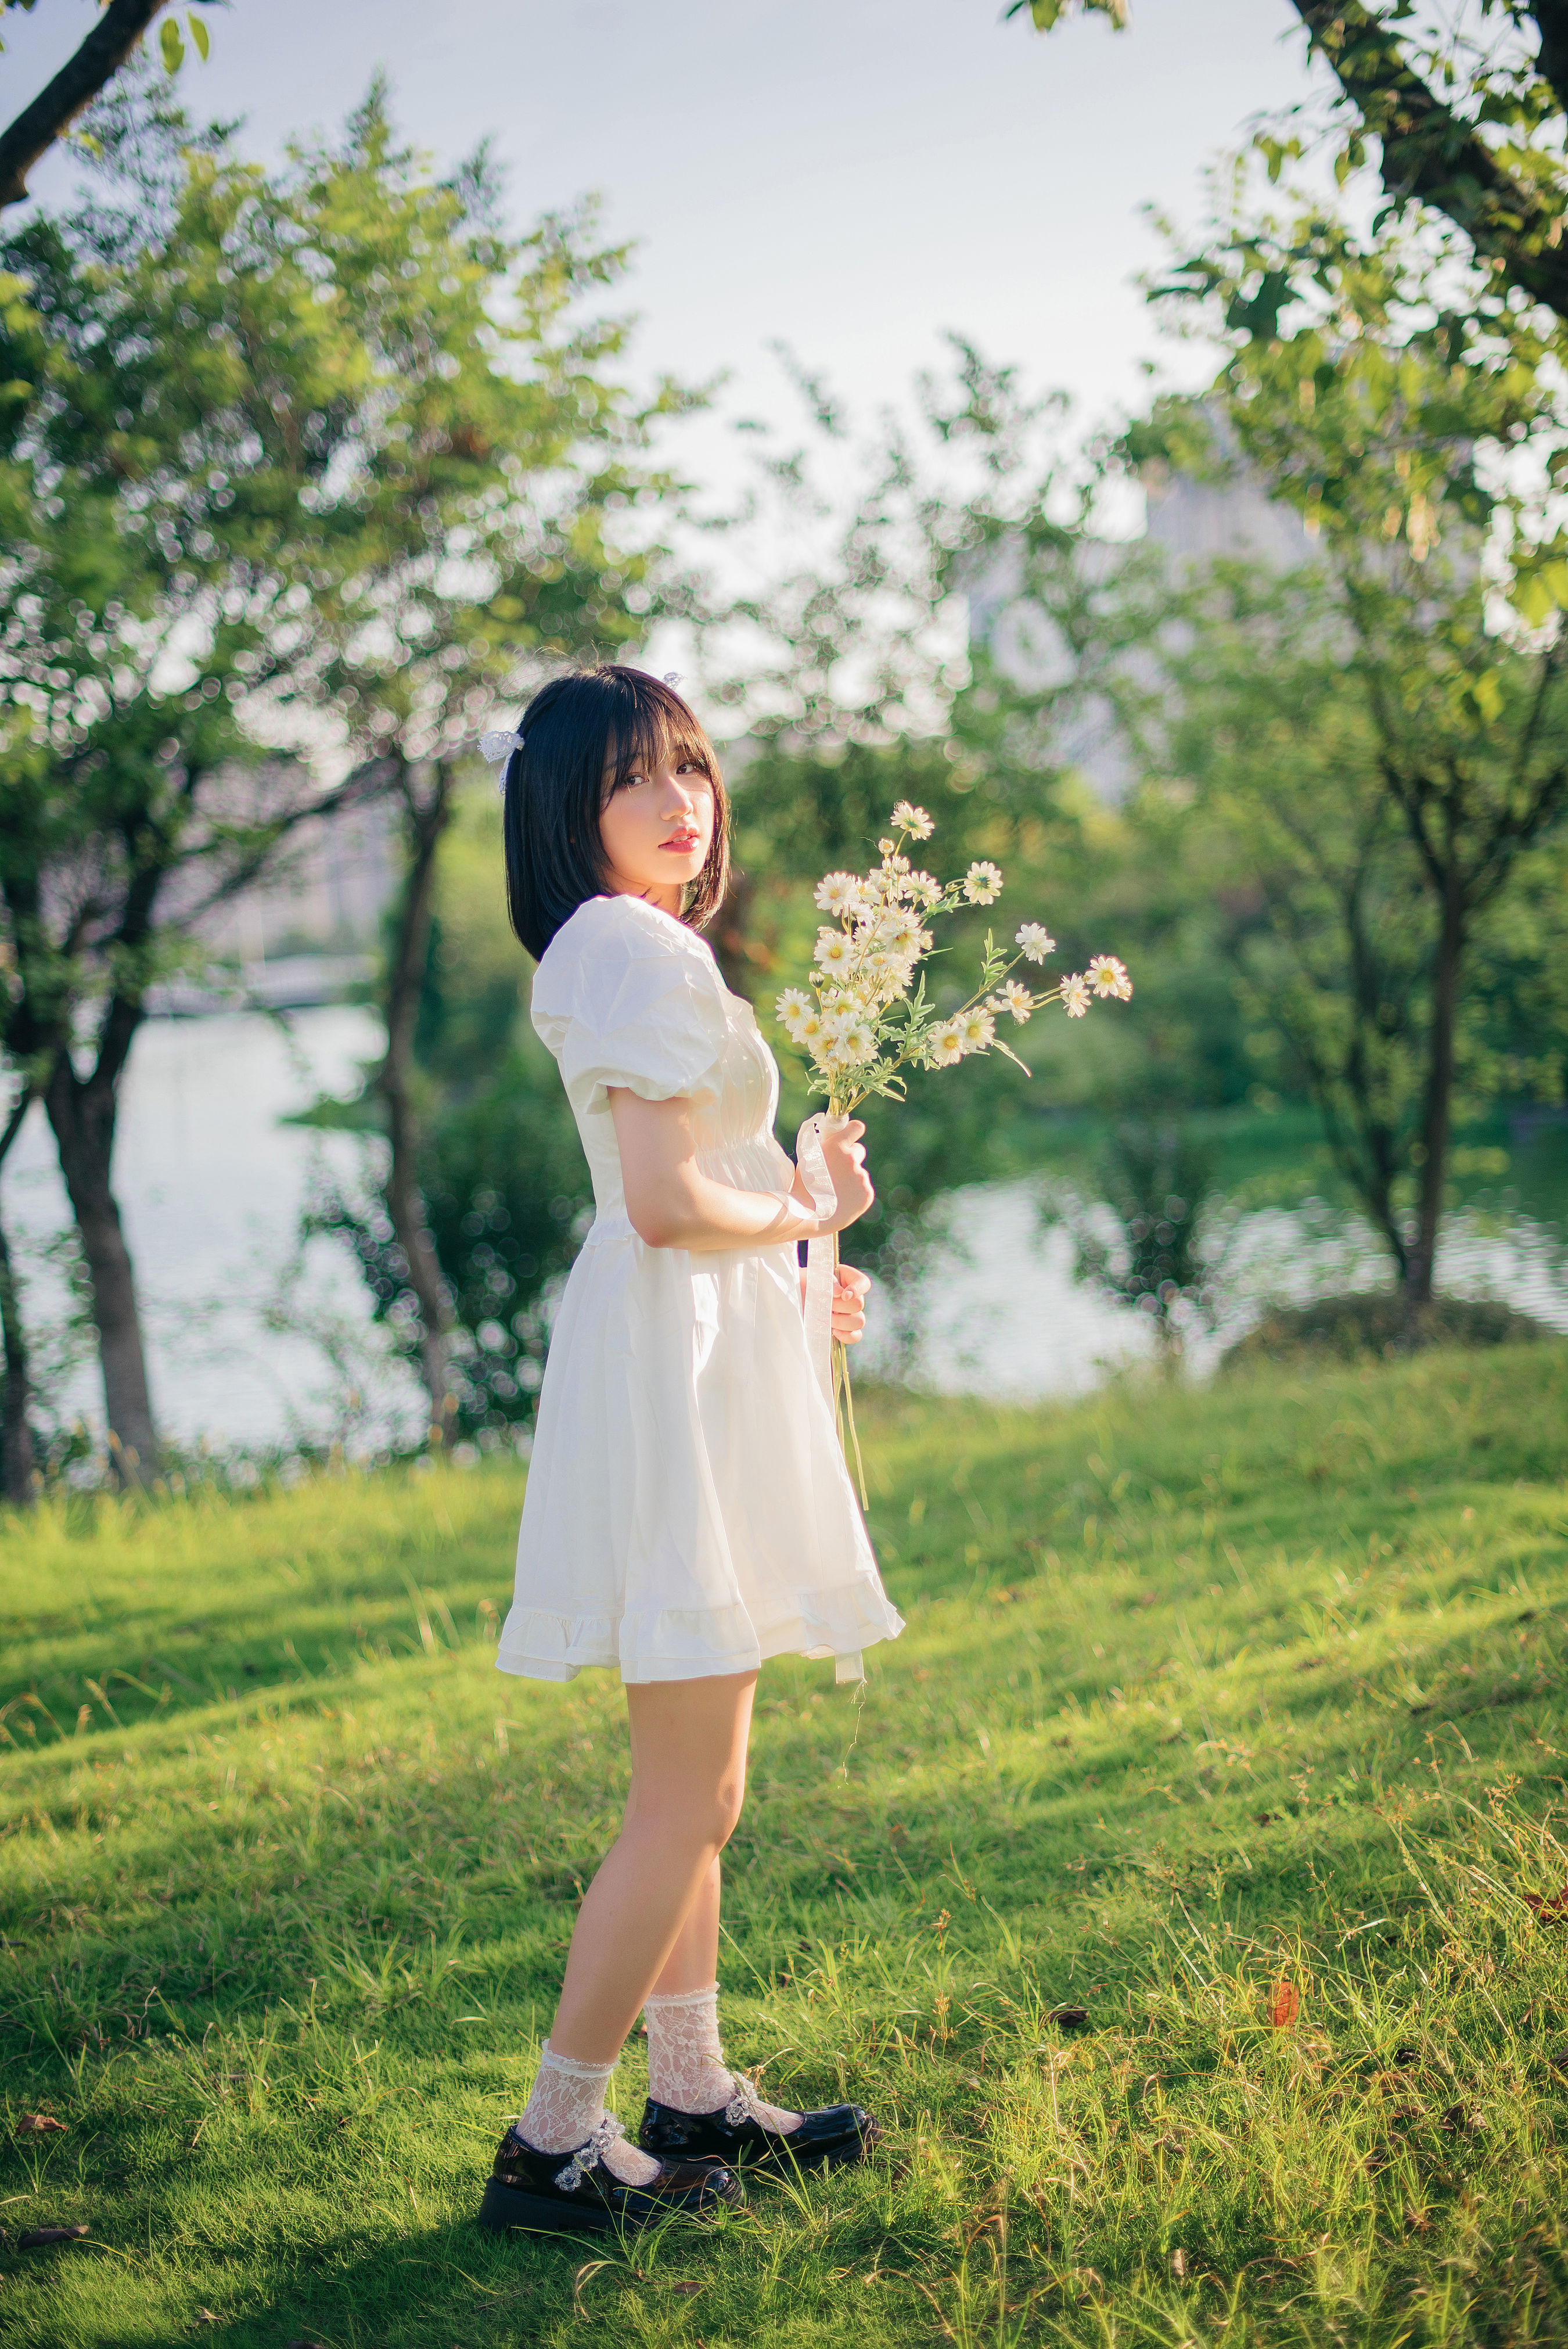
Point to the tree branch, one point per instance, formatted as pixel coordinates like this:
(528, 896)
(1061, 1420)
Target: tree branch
(1431, 153)
(77, 83)
(1552, 64)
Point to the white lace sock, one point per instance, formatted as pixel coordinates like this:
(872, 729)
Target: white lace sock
(566, 2107)
(686, 2061)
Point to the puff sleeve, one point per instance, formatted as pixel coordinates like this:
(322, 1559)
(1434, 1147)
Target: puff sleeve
(626, 996)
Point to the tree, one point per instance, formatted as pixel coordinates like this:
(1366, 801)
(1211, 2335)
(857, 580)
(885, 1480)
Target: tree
(502, 1184)
(489, 556)
(857, 696)
(82, 79)
(240, 429)
(1416, 432)
(1379, 979)
(1471, 132)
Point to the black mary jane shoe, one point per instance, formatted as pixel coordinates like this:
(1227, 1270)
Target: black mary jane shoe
(572, 2191)
(737, 2137)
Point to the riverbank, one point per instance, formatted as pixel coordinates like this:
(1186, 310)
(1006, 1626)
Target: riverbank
(1234, 1719)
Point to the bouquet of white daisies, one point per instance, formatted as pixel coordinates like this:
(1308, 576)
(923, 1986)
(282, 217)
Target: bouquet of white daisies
(866, 1017)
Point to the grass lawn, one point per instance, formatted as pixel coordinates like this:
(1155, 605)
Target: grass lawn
(1233, 1719)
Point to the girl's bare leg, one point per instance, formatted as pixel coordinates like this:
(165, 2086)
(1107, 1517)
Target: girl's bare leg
(688, 1781)
(693, 1960)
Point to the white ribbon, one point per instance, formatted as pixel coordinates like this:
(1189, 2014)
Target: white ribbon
(813, 1168)
(819, 1257)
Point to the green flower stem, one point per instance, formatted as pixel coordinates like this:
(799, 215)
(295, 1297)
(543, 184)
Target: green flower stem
(844, 1400)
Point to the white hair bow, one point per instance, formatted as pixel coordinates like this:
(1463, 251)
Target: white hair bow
(496, 750)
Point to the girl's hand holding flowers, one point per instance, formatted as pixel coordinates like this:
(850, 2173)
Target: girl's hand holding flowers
(846, 1163)
(849, 1288)
(849, 1304)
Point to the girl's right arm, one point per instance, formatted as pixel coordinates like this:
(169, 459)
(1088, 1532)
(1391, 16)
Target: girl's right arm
(672, 1204)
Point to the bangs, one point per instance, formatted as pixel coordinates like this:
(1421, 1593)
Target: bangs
(656, 727)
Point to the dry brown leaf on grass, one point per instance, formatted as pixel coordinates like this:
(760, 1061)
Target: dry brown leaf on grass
(37, 2236)
(1285, 2006)
(37, 2124)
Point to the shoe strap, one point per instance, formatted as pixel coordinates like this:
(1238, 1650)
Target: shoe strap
(589, 2154)
(745, 2105)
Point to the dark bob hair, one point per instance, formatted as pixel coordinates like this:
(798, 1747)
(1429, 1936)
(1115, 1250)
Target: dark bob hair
(583, 736)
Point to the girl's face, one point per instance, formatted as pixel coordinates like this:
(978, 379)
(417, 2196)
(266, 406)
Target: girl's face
(656, 830)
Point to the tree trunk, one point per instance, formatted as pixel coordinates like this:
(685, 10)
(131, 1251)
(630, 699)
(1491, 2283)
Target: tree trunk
(1436, 1129)
(77, 83)
(15, 1390)
(427, 820)
(82, 1113)
(16, 1395)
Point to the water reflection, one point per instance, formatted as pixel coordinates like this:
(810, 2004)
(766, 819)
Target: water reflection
(212, 1184)
(999, 1311)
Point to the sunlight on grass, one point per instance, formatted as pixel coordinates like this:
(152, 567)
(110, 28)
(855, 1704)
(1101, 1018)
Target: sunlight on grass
(1203, 1696)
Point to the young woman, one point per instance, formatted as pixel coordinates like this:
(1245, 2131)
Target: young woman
(687, 1511)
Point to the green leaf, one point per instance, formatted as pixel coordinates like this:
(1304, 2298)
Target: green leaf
(1535, 603)
(172, 47)
(199, 35)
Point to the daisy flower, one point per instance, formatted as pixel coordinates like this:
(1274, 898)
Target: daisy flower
(1075, 996)
(891, 975)
(1037, 941)
(900, 932)
(923, 888)
(791, 1009)
(945, 1043)
(978, 1028)
(839, 893)
(1109, 977)
(982, 884)
(835, 953)
(1013, 998)
(912, 819)
(858, 1043)
(810, 1029)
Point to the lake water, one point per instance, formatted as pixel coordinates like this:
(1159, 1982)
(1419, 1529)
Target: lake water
(251, 1344)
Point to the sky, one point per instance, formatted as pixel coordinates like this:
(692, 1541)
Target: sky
(849, 177)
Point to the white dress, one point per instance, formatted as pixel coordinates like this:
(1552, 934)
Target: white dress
(688, 1511)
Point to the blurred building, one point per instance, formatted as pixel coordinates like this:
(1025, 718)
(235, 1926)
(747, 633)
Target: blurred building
(1191, 521)
(306, 934)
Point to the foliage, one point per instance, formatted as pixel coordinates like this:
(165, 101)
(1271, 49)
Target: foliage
(1361, 1322)
(1417, 733)
(295, 461)
(1466, 113)
(1202, 1694)
(856, 695)
(503, 1186)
